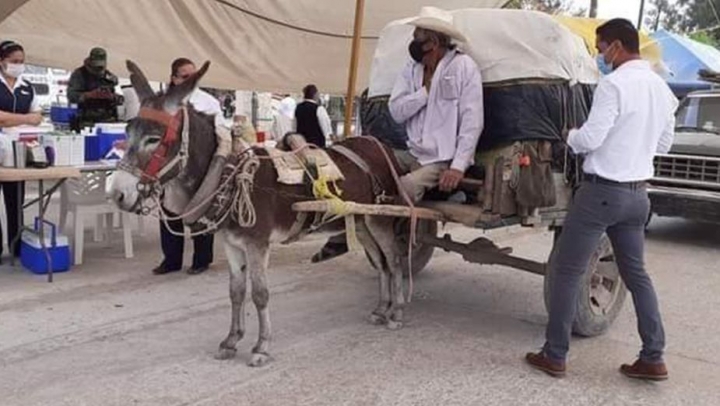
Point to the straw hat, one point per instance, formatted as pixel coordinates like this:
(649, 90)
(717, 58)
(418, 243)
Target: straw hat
(435, 19)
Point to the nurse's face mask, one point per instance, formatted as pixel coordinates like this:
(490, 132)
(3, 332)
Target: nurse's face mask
(13, 65)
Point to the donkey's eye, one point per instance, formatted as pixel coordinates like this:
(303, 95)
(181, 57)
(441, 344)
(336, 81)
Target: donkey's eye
(151, 141)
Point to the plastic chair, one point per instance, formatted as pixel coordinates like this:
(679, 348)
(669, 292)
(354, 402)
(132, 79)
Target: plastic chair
(86, 195)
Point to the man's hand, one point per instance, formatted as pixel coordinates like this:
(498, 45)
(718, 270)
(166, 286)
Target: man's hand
(450, 179)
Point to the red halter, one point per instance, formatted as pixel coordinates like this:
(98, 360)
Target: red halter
(159, 157)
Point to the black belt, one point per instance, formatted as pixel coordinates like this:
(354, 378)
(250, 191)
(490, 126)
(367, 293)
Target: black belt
(591, 178)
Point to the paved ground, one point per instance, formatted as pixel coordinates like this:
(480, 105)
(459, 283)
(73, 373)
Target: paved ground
(109, 333)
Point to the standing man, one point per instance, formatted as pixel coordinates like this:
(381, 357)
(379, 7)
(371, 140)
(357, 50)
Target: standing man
(92, 88)
(313, 121)
(171, 236)
(632, 119)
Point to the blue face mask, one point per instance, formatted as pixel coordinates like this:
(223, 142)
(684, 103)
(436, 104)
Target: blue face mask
(603, 67)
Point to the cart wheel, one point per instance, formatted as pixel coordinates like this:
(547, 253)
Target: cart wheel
(422, 253)
(602, 292)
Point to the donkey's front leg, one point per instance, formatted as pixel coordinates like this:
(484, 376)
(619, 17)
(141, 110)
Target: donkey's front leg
(238, 288)
(378, 316)
(258, 257)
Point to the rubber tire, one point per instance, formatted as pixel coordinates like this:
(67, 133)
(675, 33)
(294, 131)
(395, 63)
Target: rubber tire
(422, 253)
(587, 323)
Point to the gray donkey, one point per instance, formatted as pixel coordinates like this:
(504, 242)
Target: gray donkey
(170, 152)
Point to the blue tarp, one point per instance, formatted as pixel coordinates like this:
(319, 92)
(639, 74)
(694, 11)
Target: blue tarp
(684, 57)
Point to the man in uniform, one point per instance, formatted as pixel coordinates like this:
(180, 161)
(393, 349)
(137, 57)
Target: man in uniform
(92, 88)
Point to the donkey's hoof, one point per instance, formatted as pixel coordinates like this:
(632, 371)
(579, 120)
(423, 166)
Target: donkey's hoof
(258, 360)
(377, 319)
(224, 354)
(394, 325)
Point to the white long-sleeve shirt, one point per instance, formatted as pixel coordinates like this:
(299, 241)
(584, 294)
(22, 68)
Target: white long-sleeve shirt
(205, 103)
(632, 118)
(444, 124)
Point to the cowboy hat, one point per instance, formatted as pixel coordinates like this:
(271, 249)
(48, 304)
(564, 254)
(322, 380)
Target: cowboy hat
(435, 19)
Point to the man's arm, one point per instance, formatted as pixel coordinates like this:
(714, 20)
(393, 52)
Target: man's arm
(603, 114)
(76, 87)
(325, 123)
(472, 118)
(667, 137)
(404, 101)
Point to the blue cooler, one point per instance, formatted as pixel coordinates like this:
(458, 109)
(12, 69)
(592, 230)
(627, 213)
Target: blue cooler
(62, 115)
(32, 256)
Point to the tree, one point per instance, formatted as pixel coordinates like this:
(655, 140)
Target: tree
(699, 19)
(547, 6)
(593, 9)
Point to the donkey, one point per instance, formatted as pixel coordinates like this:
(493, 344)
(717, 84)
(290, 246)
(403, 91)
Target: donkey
(154, 168)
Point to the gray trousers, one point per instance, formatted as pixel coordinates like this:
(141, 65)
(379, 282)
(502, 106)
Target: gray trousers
(620, 212)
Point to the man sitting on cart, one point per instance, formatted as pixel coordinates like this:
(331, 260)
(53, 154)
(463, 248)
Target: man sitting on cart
(439, 99)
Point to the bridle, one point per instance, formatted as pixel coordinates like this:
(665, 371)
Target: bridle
(153, 175)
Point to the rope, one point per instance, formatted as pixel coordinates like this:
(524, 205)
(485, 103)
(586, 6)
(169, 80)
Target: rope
(244, 209)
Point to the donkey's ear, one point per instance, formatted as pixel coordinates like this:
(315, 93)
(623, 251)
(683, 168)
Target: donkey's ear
(139, 82)
(178, 94)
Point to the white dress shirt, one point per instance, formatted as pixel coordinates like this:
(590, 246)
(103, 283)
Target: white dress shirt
(323, 119)
(444, 124)
(632, 118)
(205, 103)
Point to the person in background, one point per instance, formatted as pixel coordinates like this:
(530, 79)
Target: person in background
(631, 119)
(284, 121)
(171, 240)
(92, 88)
(312, 119)
(18, 106)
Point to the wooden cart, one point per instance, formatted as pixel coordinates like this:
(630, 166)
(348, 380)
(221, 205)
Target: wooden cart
(602, 294)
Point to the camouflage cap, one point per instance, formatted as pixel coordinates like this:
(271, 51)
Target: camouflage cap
(98, 57)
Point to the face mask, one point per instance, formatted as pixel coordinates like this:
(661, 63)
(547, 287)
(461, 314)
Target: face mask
(14, 69)
(416, 50)
(603, 67)
(606, 68)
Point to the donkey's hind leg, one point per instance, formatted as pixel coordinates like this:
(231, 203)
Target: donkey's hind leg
(383, 232)
(379, 316)
(238, 288)
(258, 255)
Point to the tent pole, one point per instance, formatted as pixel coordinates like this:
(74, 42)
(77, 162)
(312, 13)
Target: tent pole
(642, 14)
(354, 60)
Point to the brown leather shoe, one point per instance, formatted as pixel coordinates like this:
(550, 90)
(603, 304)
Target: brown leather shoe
(645, 370)
(541, 362)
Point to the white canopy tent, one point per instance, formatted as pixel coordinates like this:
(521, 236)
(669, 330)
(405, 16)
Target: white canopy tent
(268, 45)
(542, 49)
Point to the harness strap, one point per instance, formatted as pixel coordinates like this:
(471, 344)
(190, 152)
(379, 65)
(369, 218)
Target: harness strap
(356, 159)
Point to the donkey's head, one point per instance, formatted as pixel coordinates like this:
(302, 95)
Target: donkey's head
(159, 143)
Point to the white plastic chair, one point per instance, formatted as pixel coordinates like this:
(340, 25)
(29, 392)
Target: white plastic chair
(86, 195)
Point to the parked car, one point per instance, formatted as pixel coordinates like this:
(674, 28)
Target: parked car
(687, 179)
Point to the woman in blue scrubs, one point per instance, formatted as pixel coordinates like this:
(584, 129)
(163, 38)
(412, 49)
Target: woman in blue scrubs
(18, 106)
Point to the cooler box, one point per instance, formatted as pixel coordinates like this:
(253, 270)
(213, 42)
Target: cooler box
(62, 115)
(32, 256)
